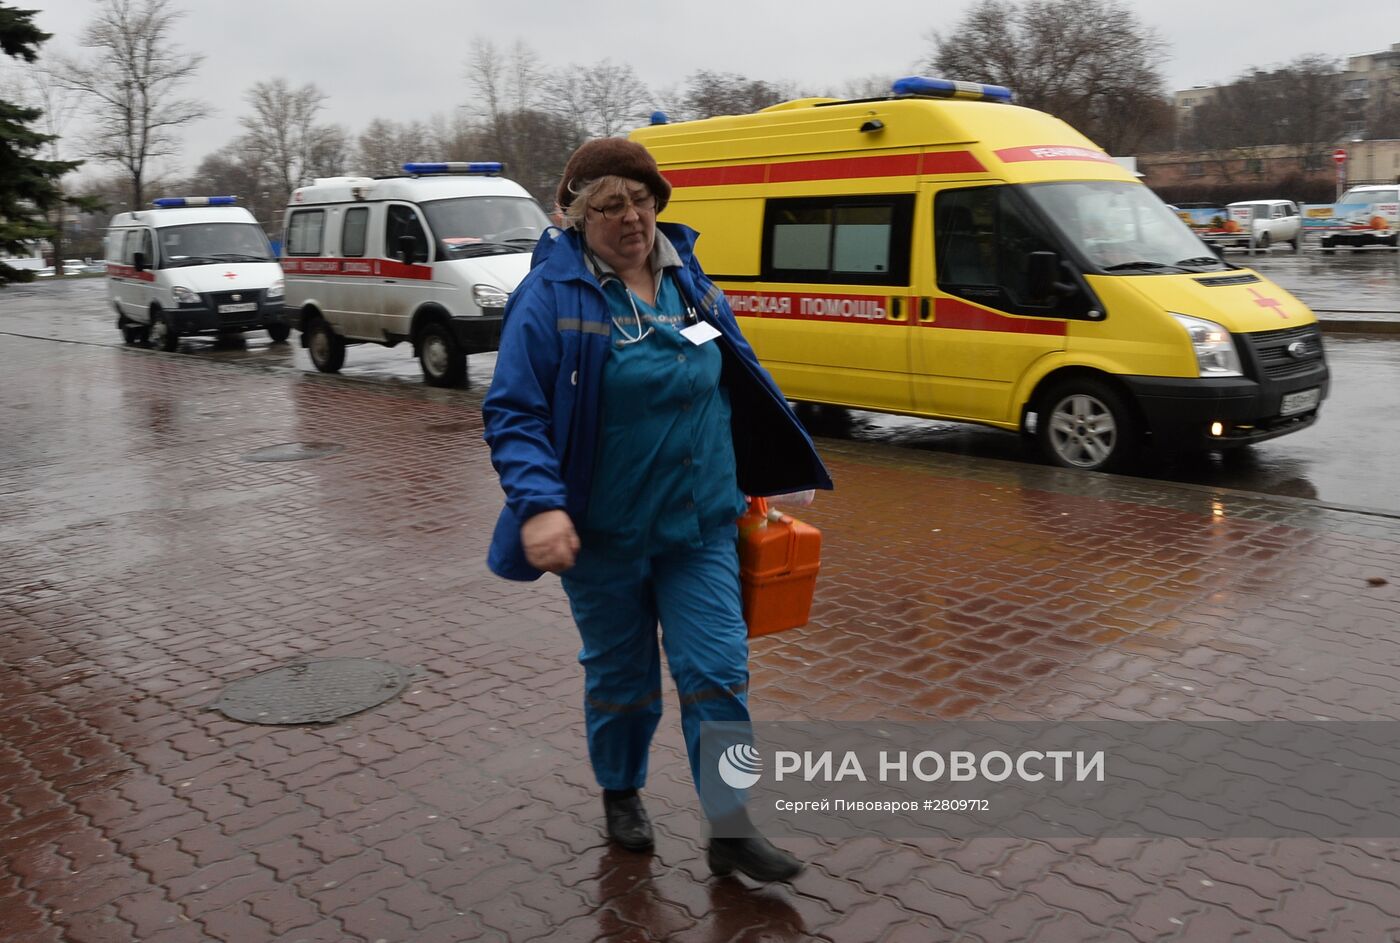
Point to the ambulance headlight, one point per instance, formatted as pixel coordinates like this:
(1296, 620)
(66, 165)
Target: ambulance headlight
(1215, 348)
(183, 296)
(489, 296)
(274, 291)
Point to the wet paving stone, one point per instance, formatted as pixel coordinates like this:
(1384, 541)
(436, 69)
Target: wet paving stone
(148, 566)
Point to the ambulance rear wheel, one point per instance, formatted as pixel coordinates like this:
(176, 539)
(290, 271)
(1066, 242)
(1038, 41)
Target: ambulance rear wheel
(279, 332)
(1086, 424)
(444, 363)
(327, 349)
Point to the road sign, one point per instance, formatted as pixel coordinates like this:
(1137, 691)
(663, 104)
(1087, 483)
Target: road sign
(1340, 155)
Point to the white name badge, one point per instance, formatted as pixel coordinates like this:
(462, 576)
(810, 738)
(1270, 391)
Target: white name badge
(701, 333)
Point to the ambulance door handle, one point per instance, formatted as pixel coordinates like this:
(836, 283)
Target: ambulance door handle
(896, 308)
(923, 309)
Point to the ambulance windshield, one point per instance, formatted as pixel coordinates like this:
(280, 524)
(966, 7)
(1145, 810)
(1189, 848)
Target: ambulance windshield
(210, 243)
(1122, 228)
(485, 225)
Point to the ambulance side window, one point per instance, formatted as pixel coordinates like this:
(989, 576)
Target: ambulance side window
(304, 232)
(131, 247)
(353, 231)
(400, 223)
(840, 240)
(983, 238)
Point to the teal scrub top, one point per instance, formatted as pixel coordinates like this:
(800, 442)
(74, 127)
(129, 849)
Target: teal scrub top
(665, 476)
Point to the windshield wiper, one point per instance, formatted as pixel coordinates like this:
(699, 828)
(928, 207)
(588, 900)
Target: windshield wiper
(191, 260)
(1141, 263)
(241, 257)
(487, 248)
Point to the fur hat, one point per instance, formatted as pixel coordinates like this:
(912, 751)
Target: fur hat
(616, 157)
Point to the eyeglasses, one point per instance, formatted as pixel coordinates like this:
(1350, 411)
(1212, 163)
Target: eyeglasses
(616, 209)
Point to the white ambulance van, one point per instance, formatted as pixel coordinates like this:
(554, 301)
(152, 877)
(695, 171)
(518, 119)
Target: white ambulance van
(192, 265)
(429, 258)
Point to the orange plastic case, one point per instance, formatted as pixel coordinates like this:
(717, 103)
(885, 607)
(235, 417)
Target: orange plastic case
(778, 562)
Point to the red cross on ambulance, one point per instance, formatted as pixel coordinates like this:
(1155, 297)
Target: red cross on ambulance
(1265, 301)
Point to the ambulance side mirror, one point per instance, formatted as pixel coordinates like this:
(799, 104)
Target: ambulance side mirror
(408, 248)
(1043, 276)
(138, 261)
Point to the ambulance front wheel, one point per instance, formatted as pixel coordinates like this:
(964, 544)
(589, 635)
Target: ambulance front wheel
(163, 335)
(327, 349)
(279, 332)
(444, 363)
(1087, 424)
(133, 333)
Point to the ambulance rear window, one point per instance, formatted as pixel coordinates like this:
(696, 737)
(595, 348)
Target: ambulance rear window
(838, 240)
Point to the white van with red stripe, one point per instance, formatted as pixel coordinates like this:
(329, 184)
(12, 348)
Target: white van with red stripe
(192, 265)
(944, 253)
(428, 258)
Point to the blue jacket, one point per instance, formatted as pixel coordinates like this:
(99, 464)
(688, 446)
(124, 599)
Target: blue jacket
(543, 407)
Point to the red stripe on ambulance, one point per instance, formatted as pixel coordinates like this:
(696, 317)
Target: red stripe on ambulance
(129, 271)
(841, 168)
(954, 315)
(358, 268)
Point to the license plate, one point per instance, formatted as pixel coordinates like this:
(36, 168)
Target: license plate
(1299, 402)
(236, 309)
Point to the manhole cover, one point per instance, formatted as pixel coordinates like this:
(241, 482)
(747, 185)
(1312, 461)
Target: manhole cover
(293, 452)
(312, 692)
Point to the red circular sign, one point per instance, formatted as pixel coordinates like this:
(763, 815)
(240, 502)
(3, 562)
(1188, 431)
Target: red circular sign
(1339, 155)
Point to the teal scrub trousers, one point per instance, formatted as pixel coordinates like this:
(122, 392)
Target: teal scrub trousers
(693, 593)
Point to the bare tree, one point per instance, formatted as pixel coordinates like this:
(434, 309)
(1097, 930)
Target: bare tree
(281, 133)
(516, 125)
(131, 80)
(1295, 105)
(453, 136)
(37, 88)
(384, 146)
(1090, 62)
(233, 171)
(601, 100)
(708, 94)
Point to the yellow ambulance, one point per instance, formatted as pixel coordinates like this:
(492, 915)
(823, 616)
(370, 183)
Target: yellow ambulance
(941, 252)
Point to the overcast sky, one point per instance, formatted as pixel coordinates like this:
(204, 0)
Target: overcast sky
(405, 60)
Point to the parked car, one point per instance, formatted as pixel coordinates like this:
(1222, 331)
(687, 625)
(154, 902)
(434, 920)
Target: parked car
(1275, 221)
(1368, 217)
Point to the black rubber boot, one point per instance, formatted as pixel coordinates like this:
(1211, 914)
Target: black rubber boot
(754, 856)
(628, 824)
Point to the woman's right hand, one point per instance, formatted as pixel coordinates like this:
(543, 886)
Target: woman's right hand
(551, 543)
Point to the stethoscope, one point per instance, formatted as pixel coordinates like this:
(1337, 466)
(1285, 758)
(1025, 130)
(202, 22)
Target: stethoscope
(644, 330)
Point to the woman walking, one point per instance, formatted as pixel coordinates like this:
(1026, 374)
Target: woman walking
(627, 419)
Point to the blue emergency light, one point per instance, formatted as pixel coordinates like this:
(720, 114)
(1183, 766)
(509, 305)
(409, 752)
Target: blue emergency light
(166, 202)
(947, 88)
(456, 167)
